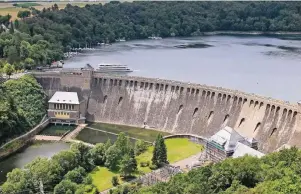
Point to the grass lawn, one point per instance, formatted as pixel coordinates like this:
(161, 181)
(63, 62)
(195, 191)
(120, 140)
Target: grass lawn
(139, 133)
(177, 149)
(102, 178)
(8, 8)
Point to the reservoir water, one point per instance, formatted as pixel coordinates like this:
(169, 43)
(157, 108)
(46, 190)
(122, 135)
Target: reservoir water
(20, 159)
(267, 66)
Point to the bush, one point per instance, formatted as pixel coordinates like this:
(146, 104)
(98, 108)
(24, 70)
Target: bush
(140, 147)
(115, 181)
(153, 167)
(144, 164)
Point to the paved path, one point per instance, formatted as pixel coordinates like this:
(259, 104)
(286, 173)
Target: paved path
(74, 133)
(47, 138)
(70, 136)
(188, 162)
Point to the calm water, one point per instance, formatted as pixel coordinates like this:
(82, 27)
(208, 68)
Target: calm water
(94, 136)
(98, 133)
(20, 159)
(264, 65)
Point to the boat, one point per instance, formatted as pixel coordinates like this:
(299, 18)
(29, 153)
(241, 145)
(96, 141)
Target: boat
(120, 40)
(113, 68)
(155, 37)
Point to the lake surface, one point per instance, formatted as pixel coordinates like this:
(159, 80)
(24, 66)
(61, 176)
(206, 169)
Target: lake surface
(20, 159)
(267, 66)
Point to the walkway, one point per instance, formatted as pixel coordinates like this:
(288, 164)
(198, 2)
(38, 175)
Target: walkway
(188, 162)
(74, 133)
(70, 136)
(47, 138)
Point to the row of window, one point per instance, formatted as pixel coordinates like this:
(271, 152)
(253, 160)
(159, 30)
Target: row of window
(61, 113)
(64, 106)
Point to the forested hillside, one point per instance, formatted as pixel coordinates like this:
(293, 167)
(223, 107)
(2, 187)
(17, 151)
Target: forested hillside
(42, 38)
(22, 106)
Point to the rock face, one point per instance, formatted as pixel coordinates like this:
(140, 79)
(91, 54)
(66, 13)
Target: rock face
(178, 107)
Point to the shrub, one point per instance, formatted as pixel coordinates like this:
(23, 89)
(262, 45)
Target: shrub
(140, 147)
(115, 181)
(144, 164)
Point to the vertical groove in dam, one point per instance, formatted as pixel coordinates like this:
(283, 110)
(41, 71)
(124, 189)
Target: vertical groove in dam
(178, 107)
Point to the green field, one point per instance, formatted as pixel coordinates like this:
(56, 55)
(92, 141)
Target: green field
(56, 130)
(139, 133)
(177, 149)
(8, 8)
(102, 177)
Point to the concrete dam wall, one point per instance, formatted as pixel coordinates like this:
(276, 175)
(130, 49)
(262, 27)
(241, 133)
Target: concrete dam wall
(178, 107)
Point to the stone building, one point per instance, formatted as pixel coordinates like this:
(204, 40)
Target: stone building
(229, 143)
(64, 108)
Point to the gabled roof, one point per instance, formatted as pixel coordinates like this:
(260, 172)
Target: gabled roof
(227, 138)
(64, 98)
(242, 149)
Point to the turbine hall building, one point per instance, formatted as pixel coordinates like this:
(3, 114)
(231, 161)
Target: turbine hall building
(64, 108)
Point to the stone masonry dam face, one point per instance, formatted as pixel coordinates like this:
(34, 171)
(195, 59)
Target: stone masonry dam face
(178, 107)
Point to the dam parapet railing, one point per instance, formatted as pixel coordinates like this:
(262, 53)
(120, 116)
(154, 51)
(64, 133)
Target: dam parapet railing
(174, 86)
(195, 88)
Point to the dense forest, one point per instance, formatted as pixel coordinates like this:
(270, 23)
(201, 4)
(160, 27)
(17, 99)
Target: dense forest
(22, 106)
(42, 37)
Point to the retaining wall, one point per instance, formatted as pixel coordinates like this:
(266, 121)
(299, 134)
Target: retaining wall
(194, 138)
(178, 107)
(21, 141)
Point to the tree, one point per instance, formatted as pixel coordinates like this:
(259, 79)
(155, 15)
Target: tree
(24, 49)
(16, 23)
(115, 181)
(11, 29)
(8, 69)
(76, 175)
(107, 144)
(17, 181)
(12, 54)
(29, 63)
(123, 143)
(98, 154)
(83, 155)
(113, 155)
(45, 170)
(23, 14)
(128, 165)
(140, 147)
(66, 159)
(65, 186)
(160, 152)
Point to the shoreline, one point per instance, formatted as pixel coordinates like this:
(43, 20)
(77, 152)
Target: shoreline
(251, 33)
